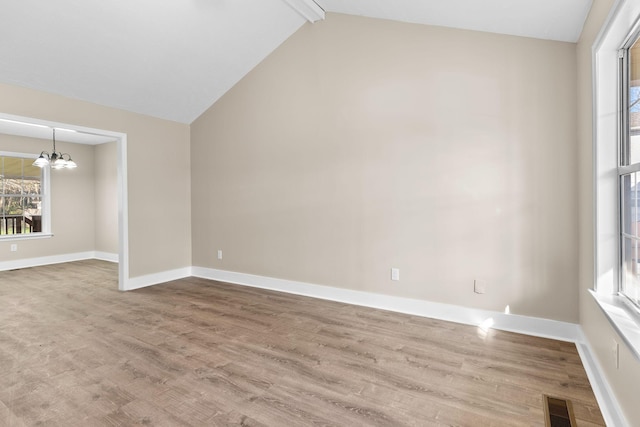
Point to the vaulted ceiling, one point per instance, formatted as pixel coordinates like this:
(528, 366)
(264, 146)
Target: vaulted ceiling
(174, 58)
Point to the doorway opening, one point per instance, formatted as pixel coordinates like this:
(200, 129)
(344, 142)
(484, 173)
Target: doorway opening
(38, 128)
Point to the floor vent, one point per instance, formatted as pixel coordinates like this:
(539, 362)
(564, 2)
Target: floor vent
(558, 412)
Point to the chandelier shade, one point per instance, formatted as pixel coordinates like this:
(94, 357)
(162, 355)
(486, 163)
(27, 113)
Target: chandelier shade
(56, 159)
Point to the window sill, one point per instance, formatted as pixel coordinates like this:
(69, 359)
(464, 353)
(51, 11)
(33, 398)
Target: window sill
(624, 318)
(33, 236)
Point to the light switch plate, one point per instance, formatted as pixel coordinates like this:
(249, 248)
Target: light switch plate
(479, 286)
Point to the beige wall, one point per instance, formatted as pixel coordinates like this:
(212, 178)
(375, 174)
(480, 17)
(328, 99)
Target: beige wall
(158, 173)
(362, 144)
(72, 207)
(624, 380)
(106, 197)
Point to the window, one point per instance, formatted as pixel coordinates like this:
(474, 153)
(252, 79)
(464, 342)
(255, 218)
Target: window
(629, 170)
(22, 196)
(616, 174)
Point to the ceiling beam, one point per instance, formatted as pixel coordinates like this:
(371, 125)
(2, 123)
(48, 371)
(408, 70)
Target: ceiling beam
(308, 9)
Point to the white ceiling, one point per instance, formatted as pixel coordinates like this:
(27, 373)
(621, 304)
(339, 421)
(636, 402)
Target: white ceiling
(560, 20)
(170, 59)
(174, 58)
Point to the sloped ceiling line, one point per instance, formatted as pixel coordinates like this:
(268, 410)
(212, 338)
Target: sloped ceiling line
(308, 9)
(174, 59)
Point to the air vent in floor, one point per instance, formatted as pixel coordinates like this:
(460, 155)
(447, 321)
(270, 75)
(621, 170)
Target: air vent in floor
(558, 412)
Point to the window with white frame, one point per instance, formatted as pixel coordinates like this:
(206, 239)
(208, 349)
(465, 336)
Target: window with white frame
(23, 195)
(616, 208)
(629, 169)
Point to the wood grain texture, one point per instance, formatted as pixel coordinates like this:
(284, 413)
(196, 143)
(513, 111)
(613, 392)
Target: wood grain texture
(74, 351)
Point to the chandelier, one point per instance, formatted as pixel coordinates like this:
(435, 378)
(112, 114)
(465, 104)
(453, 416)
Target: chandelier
(56, 159)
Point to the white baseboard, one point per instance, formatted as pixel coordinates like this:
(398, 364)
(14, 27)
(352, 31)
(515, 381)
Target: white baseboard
(106, 256)
(46, 260)
(130, 283)
(156, 278)
(508, 322)
(534, 326)
(609, 406)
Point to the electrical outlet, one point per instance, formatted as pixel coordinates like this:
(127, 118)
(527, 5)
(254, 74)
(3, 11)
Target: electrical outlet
(479, 286)
(14, 247)
(395, 274)
(615, 354)
(219, 253)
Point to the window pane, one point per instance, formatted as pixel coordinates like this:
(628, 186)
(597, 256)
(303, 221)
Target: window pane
(627, 204)
(12, 206)
(631, 204)
(634, 103)
(21, 189)
(630, 187)
(12, 167)
(32, 206)
(30, 170)
(31, 186)
(12, 186)
(631, 278)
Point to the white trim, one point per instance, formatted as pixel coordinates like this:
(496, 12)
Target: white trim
(308, 9)
(609, 407)
(106, 256)
(29, 236)
(604, 30)
(46, 260)
(45, 226)
(123, 214)
(623, 317)
(534, 326)
(132, 283)
(123, 206)
(15, 154)
(605, 51)
(157, 278)
(508, 322)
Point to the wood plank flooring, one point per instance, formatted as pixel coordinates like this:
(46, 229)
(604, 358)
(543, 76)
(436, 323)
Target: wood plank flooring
(74, 351)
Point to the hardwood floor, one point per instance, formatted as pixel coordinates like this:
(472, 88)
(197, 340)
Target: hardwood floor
(74, 351)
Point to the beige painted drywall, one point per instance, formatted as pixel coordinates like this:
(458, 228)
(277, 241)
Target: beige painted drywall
(106, 197)
(72, 207)
(362, 144)
(158, 173)
(599, 332)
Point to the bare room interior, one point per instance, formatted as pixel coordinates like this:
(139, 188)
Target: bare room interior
(320, 212)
